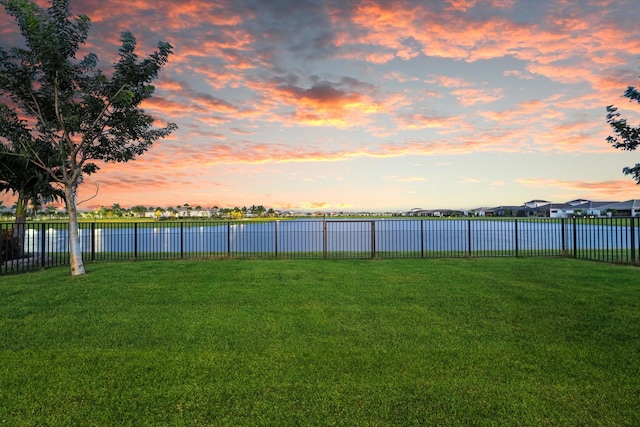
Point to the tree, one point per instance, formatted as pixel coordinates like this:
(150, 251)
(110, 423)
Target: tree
(29, 183)
(17, 175)
(75, 114)
(35, 207)
(51, 211)
(139, 210)
(102, 212)
(158, 213)
(116, 210)
(626, 137)
(238, 213)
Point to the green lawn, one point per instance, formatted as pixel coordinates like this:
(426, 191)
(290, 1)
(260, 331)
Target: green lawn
(495, 342)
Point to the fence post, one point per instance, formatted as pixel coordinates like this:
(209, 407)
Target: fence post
(229, 239)
(92, 240)
(324, 239)
(373, 239)
(181, 239)
(563, 237)
(469, 238)
(575, 238)
(515, 229)
(422, 238)
(633, 240)
(135, 240)
(275, 237)
(43, 246)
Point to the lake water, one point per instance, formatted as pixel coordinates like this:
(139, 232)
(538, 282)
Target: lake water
(317, 236)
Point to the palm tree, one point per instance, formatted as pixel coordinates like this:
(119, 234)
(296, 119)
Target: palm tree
(51, 211)
(35, 207)
(117, 210)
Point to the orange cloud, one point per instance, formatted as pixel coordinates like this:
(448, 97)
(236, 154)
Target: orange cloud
(590, 41)
(343, 104)
(607, 190)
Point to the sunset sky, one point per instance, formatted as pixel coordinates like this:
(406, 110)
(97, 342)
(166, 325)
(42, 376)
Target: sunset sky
(376, 105)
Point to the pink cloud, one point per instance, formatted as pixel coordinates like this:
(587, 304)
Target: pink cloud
(470, 97)
(426, 121)
(449, 82)
(464, 5)
(603, 190)
(569, 33)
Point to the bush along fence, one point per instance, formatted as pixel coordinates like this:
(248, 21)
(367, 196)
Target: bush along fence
(39, 244)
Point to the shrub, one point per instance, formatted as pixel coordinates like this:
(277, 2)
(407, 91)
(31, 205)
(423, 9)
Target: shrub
(9, 245)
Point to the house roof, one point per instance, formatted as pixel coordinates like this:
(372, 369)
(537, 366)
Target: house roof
(507, 207)
(593, 205)
(578, 202)
(537, 201)
(620, 206)
(557, 206)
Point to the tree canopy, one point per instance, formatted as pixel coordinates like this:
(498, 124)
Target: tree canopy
(61, 113)
(17, 175)
(625, 137)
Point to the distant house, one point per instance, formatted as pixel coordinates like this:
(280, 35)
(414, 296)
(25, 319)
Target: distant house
(628, 208)
(554, 210)
(507, 211)
(439, 212)
(535, 203)
(579, 207)
(578, 202)
(483, 211)
(533, 208)
(422, 212)
(590, 208)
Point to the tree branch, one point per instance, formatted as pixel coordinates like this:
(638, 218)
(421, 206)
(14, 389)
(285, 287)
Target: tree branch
(92, 197)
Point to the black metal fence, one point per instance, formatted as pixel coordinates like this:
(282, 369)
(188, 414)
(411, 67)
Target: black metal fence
(39, 244)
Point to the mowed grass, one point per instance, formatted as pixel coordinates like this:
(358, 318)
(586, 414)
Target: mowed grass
(496, 342)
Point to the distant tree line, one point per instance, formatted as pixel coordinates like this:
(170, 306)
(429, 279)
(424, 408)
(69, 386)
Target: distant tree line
(36, 210)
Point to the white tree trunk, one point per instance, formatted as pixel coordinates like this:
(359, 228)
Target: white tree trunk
(75, 252)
